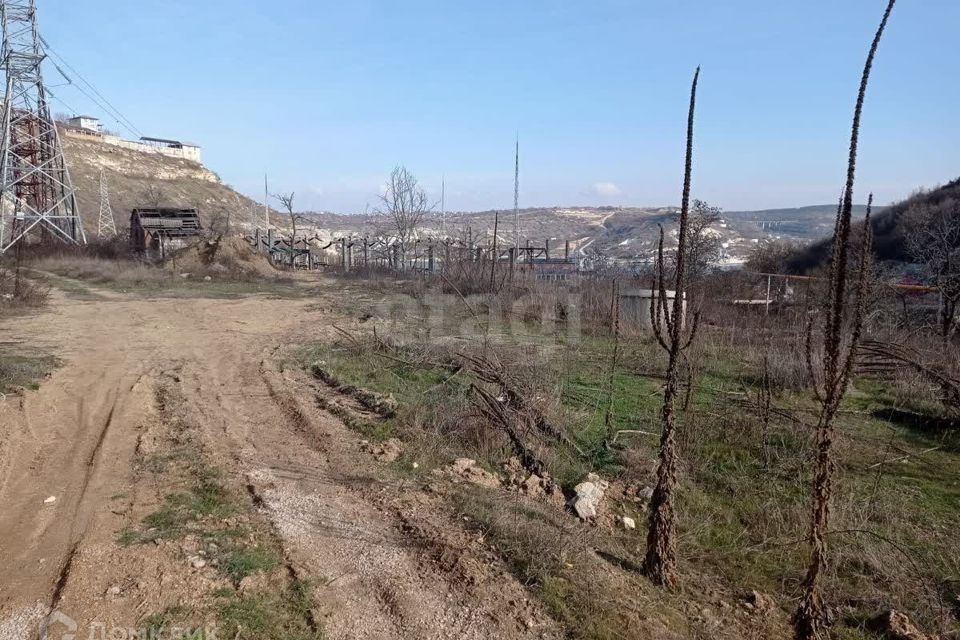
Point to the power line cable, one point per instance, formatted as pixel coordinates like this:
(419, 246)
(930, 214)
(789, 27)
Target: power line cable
(60, 100)
(70, 108)
(114, 112)
(91, 98)
(97, 102)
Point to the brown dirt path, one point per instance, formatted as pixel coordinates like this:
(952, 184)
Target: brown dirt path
(371, 548)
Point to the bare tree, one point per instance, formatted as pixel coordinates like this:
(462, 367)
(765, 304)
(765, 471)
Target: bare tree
(704, 246)
(771, 256)
(286, 201)
(675, 336)
(404, 204)
(842, 326)
(153, 195)
(933, 240)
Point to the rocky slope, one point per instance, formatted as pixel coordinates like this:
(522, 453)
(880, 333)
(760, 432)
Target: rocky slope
(625, 233)
(139, 179)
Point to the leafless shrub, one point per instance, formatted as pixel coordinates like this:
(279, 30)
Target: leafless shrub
(21, 293)
(786, 368)
(153, 195)
(933, 239)
(771, 256)
(888, 360)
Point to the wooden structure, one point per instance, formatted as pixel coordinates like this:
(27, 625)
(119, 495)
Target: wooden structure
(150, 229)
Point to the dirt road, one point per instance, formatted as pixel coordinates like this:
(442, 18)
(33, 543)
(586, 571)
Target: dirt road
(372, 549)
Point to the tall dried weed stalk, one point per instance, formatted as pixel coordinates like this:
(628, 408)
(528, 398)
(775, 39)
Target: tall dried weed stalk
(830, 372)
(675, 337)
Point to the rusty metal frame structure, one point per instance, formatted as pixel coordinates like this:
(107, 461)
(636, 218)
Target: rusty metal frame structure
(36, 194)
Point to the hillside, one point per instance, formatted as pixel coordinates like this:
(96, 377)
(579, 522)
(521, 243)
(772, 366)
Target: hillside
(888, 239)
(801, 223)
(625, 233)
(138, 179)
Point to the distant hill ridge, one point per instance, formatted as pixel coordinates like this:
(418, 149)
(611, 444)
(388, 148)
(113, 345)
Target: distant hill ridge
(625, 233)
(888, 232)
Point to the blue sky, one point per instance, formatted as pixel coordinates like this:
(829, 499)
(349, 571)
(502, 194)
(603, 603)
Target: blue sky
(329, 96)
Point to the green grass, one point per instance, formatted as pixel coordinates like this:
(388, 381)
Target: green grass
(238, 563)
(414, 388)
(21, 367)
(74, 275)
(744, 497)
(223, 528)
(157, 625)
(73, 289)
(181, 514)
(374, 372)
(274, 616)
(199, 512)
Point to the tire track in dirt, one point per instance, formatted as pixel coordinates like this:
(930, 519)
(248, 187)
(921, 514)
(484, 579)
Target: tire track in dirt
(67, 447)
(374, 576)
(381, 582)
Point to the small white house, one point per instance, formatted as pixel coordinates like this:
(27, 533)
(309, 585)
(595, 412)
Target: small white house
(88, 123)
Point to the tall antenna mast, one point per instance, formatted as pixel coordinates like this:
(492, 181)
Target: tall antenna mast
(516, 198)
(36, 193)
(106, 227)
(443, 206)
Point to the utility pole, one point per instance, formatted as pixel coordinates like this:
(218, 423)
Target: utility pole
(36, 192)
(253, 215)
(106, 227)
(266, 203)
(516, 196)
(443, 206)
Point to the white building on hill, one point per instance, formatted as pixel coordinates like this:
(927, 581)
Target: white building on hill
(83, 127)
(87, 123)
(181, 149)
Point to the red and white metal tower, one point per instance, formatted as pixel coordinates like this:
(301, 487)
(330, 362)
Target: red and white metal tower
(37, 198)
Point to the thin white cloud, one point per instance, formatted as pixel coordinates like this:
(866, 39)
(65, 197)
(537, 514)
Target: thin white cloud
(605, 190)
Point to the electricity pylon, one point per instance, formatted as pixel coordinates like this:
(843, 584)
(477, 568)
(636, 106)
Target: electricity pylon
(106, 227)
(37, 197)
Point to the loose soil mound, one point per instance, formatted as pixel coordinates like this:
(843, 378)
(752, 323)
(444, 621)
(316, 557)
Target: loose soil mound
(223, 257)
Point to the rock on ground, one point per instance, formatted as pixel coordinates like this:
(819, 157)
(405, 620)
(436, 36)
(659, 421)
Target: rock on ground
(467, 469)
(589, 494)
(895, 625)
(389, 451)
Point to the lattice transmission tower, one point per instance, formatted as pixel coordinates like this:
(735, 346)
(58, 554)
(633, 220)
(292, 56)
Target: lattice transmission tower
(37, 198)
(106, 227)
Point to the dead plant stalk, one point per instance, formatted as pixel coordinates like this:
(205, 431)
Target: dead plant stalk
(660, 562)
(841, 333)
